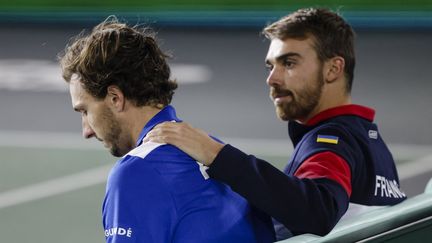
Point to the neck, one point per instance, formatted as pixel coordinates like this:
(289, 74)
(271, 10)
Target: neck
(136, 118)
(327, 103)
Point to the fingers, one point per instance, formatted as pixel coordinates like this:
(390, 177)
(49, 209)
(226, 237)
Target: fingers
(156, 136)
(168, 132)
(172, 128)
(153, 138)
(194, 142)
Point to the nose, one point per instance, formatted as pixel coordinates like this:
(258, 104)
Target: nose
(87, 131)
(275, 77)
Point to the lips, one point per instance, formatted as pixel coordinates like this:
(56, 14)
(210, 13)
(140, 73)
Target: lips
(278, 94)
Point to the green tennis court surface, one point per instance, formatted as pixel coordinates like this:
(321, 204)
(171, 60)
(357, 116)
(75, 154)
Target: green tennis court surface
(72, 214)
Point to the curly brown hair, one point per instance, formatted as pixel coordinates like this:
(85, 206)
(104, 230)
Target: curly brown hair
(333, 36)
(116, 54)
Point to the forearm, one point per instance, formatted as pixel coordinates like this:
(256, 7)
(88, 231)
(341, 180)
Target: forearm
(302, 205)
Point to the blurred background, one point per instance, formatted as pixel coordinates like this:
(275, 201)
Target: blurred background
(52, 181)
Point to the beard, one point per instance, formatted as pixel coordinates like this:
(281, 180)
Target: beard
(113, 134)
(303, 101)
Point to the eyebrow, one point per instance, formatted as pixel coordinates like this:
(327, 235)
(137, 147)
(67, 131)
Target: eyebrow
(283, 57)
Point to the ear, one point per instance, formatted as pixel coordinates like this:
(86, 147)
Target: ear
(334, 69)
(115, 98)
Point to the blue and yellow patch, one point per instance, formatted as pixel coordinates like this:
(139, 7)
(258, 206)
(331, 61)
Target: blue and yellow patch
(327, 139)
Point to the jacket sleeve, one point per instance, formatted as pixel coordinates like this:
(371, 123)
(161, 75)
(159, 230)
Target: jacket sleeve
(303, 205)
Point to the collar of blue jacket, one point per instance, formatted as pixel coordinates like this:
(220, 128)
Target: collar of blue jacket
(168, 113)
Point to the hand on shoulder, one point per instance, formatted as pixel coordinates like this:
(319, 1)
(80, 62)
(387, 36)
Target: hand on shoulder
(195, 142)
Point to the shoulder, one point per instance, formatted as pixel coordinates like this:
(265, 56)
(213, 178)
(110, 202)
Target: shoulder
(329, 134)
(143, 150)
(150, 155)
(153, 152)
(332, 137)
(159, 162)
(134, 169)
(133, 183)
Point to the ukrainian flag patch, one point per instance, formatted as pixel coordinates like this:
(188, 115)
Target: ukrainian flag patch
(327, 139)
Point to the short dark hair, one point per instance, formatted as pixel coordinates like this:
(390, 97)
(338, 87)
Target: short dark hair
(116, 54)
(332, 35)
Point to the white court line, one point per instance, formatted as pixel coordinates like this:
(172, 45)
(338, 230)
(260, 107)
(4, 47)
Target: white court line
(275, 147)
(45, 75)
(269, 147)
(55, 140)
(421, 155)
(54, 187)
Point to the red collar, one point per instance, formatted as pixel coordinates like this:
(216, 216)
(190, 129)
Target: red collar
(356, 110)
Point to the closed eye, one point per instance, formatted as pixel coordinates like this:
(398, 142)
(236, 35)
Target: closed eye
(81, 110)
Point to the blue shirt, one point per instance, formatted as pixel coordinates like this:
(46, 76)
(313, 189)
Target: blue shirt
(157, 193)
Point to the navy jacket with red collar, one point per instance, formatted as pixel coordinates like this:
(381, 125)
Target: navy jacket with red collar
(339, 157)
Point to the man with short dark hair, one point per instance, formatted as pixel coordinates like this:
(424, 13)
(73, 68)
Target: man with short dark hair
(340, 161)
(119, 81)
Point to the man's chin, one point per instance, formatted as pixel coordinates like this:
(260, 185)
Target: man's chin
(282, 115)
(116, 153)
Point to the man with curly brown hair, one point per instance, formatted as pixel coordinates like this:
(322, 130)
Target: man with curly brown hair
(119, 81)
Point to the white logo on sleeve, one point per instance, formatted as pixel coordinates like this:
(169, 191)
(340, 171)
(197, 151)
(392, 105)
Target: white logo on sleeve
(387, 188)
(373, 134)
(118, 231)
